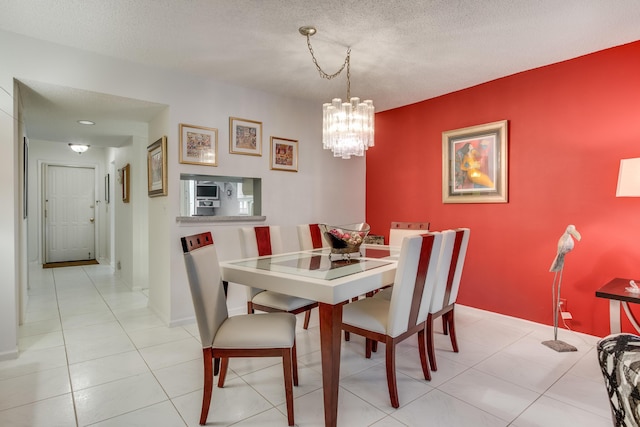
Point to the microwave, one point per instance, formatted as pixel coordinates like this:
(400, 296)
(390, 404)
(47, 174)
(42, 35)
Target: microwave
(207, 189)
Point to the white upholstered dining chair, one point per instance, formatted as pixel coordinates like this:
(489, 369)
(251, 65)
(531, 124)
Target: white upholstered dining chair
(445, 294)
(262, 241)
(310, 237)
(248, 335)
(393, 320)
(400, 230)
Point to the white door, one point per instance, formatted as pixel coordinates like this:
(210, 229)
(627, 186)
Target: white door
(69, 213)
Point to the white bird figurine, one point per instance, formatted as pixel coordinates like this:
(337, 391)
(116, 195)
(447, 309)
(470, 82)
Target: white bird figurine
(565, 245)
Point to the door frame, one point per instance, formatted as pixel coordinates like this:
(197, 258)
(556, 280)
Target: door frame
(42, 222)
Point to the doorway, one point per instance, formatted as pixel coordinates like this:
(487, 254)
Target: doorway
(69, 213)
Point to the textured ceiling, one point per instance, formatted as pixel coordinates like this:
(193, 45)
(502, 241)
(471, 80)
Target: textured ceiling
(402, 51)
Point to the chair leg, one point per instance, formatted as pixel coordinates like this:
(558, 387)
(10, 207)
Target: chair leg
(288, 386)
(216, 366)
(445, 329)
(224, 365)
(294, 363)
(307, 316)
(374, 346)
(451, 321)
(367, 348)
(423, 355)
(391, 373)
(431, 351)
(347, 335)
(250, 307)
(207, 354)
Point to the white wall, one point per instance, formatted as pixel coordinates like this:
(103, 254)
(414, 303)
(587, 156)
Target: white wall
(325, 189)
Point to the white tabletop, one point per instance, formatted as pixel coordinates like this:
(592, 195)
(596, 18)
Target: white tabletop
(311, 275)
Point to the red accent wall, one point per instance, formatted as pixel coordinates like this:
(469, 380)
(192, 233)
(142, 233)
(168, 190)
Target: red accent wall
(570, 123)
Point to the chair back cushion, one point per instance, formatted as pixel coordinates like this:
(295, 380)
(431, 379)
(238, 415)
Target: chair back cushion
(260, 241)
(450, 266)
(400, 230)
(207, 293)
(462, 234)
(414, 281)
(310, 237)
(444, 264)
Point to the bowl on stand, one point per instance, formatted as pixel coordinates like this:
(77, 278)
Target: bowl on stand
(345, 239)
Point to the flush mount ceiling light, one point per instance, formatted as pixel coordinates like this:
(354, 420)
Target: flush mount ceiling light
(79, 148)
(347, 127)
(86, 122)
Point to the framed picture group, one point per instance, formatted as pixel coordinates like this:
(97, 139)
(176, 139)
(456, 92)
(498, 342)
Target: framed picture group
(199, 145)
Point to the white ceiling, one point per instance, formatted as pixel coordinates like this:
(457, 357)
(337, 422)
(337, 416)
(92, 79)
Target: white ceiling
(402, 51)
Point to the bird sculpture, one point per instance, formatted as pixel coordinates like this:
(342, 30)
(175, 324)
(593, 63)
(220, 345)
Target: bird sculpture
(565, 245)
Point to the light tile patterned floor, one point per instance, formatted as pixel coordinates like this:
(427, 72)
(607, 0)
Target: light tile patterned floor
(92, 353)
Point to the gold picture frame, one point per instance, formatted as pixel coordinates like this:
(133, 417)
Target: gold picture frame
(157, 168)
(125, 178)
(245, 137)
(474, 164)
(198, 145)
(284, 154)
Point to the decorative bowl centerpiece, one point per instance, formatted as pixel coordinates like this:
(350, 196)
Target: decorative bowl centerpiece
(345, 239)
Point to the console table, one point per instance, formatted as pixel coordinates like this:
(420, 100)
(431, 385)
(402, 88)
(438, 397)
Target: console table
(615, 292)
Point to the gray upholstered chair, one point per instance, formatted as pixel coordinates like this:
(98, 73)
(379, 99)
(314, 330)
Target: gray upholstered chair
(249, 335)
(267, 240)
(619, 357)
(392, 321)
(454, 252)
(400, 230)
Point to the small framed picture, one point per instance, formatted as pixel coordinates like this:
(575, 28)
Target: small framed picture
(284, 154)
(245, 137)
(474, 164)
(198, 145)
(107, 188)
(125, 179)
(157, 168)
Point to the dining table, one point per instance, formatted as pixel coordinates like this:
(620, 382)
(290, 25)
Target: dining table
(330, 279)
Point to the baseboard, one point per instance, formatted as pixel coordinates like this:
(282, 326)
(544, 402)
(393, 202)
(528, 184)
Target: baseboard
(9, 355)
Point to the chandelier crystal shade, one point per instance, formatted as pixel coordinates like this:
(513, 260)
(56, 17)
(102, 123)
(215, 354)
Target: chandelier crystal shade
(347, 127)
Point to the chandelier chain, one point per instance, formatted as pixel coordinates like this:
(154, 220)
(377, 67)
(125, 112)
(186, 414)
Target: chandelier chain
(324, 75)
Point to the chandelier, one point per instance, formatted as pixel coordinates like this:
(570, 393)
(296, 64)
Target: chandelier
(347, 127)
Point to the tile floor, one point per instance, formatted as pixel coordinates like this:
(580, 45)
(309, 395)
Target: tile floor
(93, 354)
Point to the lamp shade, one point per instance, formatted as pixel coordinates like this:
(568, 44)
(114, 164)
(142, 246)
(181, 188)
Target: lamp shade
(629, 178)
(79, 148)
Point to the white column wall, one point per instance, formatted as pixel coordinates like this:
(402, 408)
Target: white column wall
(325, 189)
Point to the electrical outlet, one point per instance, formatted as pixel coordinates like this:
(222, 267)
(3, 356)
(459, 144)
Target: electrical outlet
(563, 305)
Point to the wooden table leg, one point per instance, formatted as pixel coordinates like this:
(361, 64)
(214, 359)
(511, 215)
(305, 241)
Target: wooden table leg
(330, 340)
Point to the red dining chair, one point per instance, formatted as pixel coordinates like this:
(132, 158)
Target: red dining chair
(248, 335)
(262, 241)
